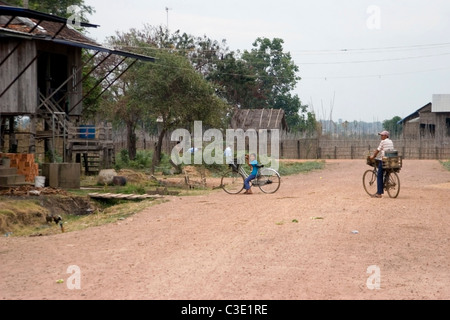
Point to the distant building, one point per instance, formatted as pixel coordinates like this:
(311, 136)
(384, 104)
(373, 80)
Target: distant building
(260, 119)
(432, 121)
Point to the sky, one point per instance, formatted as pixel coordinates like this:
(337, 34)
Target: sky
(359, 60)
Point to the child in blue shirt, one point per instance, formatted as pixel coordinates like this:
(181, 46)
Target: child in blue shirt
(254, 164)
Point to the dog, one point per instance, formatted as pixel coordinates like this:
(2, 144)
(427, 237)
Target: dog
(51, 218)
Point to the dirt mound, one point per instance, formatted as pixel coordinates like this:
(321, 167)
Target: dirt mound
(15, 215)
(133, 176)
(23, 211)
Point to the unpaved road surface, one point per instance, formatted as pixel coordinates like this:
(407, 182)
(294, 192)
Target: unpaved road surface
(298, 244)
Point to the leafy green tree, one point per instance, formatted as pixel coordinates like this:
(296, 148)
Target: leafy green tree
(169, 90)
(236, 81)
(263, 78)
(174, 92)
(277, 77)
(275, 70)
(393, 127)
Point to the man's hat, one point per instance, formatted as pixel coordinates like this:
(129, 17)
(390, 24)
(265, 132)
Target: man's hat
(385, 133)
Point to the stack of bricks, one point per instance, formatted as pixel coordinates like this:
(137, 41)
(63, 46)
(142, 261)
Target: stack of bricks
(25, 165)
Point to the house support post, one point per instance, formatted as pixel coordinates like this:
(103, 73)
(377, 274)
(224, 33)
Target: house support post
(32, 146)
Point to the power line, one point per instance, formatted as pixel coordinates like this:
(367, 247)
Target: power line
(376, 75)
(340, 62)
(373, 50)
(377, 60)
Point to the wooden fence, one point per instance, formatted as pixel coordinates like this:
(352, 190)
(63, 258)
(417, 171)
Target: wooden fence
(323, 148)
(358, 149)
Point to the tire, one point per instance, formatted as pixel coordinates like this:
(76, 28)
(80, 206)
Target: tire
(393, 185)
(232, 182)
(370, 182)
(269, 181)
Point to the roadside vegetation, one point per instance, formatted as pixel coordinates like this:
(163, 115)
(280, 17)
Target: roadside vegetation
(446, 164)
(26, 216)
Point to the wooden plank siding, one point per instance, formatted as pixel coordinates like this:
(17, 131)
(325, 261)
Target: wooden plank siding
(73, 56)
(21, 98)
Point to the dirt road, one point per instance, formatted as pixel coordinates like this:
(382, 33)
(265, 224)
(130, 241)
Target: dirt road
(299, 244)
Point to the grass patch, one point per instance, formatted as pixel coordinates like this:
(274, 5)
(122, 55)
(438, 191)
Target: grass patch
(293, 168)
(446, 164)
(112, 213)
(15, 216)
(17, 222)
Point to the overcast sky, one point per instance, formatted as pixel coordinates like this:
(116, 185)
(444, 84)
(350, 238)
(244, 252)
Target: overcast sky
(359, 60)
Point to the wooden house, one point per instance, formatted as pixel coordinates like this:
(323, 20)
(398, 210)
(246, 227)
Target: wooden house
(260, 119)
(41, 77)
(432, 121)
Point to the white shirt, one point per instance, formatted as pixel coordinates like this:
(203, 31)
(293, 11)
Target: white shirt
(229, 155)
(385, 145)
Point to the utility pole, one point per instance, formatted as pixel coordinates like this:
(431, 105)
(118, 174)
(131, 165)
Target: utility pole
(167, 10)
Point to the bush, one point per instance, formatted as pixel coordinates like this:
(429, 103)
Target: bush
(143, 160)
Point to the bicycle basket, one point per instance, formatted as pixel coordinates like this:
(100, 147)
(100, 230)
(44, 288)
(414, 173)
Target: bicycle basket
(371, 162)
(395, 163)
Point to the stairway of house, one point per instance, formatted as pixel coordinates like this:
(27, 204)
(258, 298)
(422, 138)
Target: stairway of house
(52, 114)
(9, 177)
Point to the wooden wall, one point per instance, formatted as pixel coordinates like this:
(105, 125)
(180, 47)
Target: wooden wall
(21, 98)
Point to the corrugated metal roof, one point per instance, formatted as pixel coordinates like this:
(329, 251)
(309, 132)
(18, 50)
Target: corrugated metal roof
(32, 14)
(441, 103)
(414, 115)
(259, 119)
(29, 24)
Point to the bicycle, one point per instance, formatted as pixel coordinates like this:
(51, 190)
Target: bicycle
(268, 180)
(390, 177)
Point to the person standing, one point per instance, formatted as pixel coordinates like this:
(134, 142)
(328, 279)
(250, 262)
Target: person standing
(385, 145)
(228, 155)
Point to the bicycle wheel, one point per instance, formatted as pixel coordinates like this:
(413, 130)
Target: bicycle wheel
(232, 182)
(370, 182)
(269, 181)
(392, 184)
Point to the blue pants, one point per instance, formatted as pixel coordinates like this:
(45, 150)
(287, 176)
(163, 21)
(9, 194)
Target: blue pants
(247, 181)
(380, 178)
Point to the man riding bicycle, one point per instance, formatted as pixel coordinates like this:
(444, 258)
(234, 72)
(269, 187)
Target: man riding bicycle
(385, 145)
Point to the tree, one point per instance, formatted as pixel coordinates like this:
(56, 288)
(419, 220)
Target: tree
(169, 90)
(393, 127)
(236, 81)
(178, 95)
(277, 77)
(263, 78)
(117, 102)
(275, 69)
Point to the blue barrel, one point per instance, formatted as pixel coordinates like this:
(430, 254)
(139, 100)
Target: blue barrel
(87, 132)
